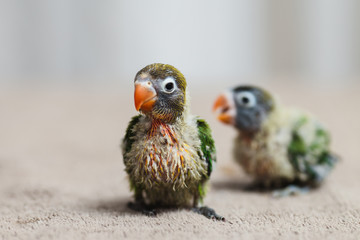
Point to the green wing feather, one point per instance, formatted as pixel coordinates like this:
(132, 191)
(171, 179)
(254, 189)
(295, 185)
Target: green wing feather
(129, 136)
(207, 146)
(127, 143)
(311, 157)
(208, 152)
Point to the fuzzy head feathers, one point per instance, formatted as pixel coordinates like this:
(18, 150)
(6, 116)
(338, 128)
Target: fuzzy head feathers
(244, 107)
(160, 92)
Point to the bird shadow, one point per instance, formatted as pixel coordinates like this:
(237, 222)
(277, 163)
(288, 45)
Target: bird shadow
(116, 206)
(232, 185)
(245, 186)
(279, 189)
(121, 207)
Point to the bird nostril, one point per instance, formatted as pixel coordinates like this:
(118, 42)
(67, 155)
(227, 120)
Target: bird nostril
(225, 109)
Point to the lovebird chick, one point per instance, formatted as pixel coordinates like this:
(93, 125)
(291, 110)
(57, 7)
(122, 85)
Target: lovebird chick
(168, 153)
(276, 145)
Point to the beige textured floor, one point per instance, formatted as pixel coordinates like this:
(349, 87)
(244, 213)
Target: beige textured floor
(61, 172)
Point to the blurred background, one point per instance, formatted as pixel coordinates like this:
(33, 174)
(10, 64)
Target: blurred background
(66, 97)
(104, 43)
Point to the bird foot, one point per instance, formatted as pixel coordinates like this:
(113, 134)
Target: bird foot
(208, 212)
(254, 187)
(290, 190)
(143, 208)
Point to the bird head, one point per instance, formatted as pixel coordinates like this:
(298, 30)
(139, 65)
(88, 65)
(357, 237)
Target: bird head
(244, 107)
(160, 92)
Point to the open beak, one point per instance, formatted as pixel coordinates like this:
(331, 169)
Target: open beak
(144, 96)
(224, 109)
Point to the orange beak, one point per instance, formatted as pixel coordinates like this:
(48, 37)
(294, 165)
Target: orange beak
(144, 96)
(224, 110)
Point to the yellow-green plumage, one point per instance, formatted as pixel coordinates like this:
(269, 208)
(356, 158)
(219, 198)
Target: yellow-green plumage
(273, 154)
(166, 162)
(168, 153)
(276, 145)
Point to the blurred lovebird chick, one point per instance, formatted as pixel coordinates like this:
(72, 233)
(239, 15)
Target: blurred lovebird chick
(168, 153)
(276, 145)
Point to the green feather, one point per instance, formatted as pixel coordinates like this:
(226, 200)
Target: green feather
(201, 192)
(312, 159)
(207, 146)
(129, 135)
(126, 147)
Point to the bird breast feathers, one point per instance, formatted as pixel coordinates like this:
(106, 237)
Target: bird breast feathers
(163, 155)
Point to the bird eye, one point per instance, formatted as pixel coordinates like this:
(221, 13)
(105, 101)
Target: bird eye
(246, 99)
(168, 85)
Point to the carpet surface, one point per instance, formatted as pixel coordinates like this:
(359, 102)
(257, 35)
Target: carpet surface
(62, 176)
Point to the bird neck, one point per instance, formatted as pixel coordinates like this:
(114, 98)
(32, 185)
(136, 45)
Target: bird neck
(171, 118)
(247, 136)
(156, 122)
(273, 121)
(166, 130)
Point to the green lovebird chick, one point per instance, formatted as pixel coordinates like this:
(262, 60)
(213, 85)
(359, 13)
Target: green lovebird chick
(168, 153)
(276, 145)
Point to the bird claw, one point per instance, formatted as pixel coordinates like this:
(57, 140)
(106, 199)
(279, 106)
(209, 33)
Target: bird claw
(149, 213)
(289, 191)
(143, 208)
(208, 212)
